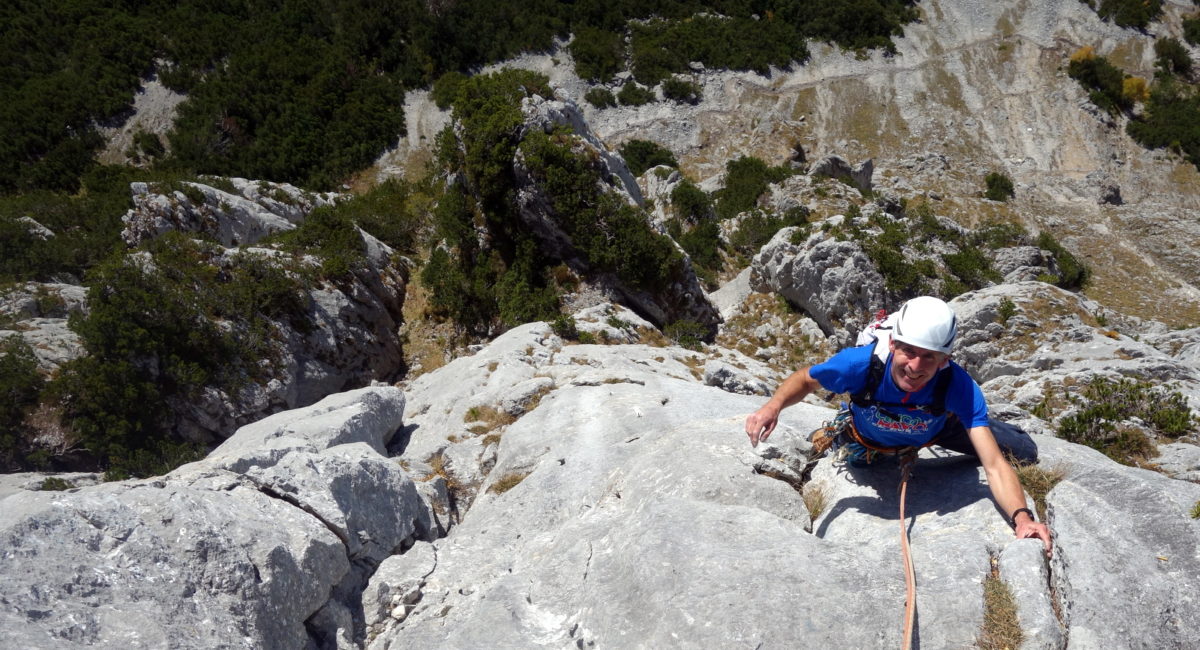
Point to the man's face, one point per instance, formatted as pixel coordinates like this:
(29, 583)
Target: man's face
(913, 367)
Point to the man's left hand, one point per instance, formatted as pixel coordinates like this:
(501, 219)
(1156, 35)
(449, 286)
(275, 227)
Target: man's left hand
(1028, 528)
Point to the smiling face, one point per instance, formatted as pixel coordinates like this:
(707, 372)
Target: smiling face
(913, 367)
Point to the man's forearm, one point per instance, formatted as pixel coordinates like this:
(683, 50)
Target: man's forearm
(794, 389)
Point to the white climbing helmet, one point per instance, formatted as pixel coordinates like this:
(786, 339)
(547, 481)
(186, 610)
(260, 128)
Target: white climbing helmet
(926, 322)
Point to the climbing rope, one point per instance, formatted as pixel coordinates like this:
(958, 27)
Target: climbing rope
(910, 577)
(857, 448)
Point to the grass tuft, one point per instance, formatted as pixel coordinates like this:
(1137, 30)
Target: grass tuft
(1001, 628)
(816, 499)
(1038, 480)
(507, 482)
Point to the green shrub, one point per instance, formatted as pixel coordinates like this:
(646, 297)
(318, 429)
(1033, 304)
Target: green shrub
(1171, 119)
(599, 54)
(1105, 407)
(681, 90)
(20, 385)
(564, 326)
(691, 203)
(972, 268)
(703, 245)
(1130, 13)
(1103, 80)
(1006, 309)
(1191, 30)
(738, 42)
(1196, 510)
(632, 94)
(1001, 235)
(641, 155)
(601, 98)
(757, 228)
(1073, 274)
(999, 187)
(162, 326)
(1171, 57)
(446, 88)
(146, 146)
(746, 179)
(54, 484)
(610, 234)
(687, 333)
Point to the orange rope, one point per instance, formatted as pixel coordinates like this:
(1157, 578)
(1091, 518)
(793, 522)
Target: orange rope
(910, 576)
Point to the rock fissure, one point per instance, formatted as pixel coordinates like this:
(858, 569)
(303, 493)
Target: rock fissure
(309, 510)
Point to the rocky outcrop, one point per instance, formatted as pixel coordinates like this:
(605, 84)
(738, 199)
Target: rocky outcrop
(38, 312)
(834, 166)
(681, 299)
(830, 279)
(265, 544)
(252, 211)
(347, 337)
(594, 492)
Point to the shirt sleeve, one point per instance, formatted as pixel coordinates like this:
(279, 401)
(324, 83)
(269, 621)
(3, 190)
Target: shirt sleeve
(846, 371)
(969, 405)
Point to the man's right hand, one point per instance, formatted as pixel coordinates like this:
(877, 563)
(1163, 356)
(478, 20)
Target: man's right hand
(761, 423)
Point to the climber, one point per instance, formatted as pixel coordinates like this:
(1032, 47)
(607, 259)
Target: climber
(907, 394)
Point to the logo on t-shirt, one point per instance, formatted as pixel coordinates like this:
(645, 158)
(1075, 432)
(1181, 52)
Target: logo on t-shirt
(884, 420)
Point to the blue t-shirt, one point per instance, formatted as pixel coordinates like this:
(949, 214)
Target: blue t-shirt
(900, 426)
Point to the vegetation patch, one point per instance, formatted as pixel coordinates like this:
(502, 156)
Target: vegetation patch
(507, 482)
(54, 484)
(1119, 417)
(641, 155)
(816, 500)
(999, 187)
(1001, 629)
(1038, 480)
(489, 418)
(746, 179)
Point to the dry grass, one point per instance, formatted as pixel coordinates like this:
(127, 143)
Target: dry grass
(652, 337)
(695, 363)
(816, 499)
(489, 418)
(427, 345)
(1038, 481)
(507, 482)
(739, 333)
(1001, 629)
(439, 469)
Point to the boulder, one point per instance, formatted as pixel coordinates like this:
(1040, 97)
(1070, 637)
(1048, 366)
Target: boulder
(832, 280)
(245, 548)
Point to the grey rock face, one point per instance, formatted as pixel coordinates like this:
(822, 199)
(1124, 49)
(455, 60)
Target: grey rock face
(258, 209)
(1139, 587)
(833, 281)
(1023, 263)
(640, 517)
(39, 313)
(834, 166)
(239, 550)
